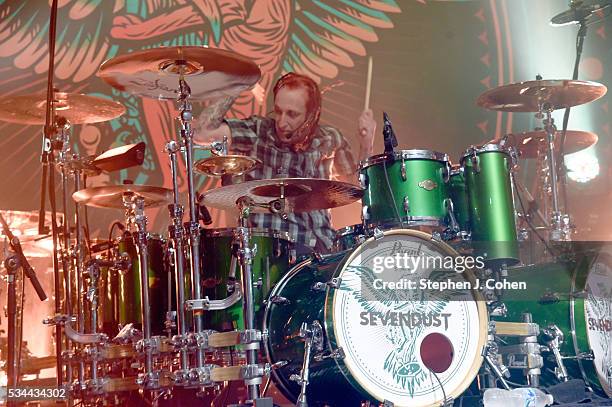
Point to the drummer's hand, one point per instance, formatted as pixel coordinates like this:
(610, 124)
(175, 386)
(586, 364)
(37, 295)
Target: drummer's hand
(367, 130)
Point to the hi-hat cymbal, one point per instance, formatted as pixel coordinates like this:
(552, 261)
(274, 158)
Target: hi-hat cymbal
(113, 196)
(531, 144)
(301, 194)
(217, 166)
(210, 73)
(74, 107)
(542, 95)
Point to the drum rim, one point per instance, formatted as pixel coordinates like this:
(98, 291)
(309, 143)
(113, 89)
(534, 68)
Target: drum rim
(487, 148)
(577, 302)
(330, 328)
(259, 232)
(279, 380)
(422, 154)
(394, 224)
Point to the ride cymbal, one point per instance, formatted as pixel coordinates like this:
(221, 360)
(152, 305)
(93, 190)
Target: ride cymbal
(541, 95)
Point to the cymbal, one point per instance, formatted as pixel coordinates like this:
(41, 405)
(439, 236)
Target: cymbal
(75, 107)
(531, 96)
(154, 73)
(301, 194)
(531, 143)
(217, 166)
(112, 196)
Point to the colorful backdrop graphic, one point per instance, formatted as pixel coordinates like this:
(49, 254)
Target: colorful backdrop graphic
(431, 60)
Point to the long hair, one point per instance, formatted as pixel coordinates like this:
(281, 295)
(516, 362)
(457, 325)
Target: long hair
(308, 129)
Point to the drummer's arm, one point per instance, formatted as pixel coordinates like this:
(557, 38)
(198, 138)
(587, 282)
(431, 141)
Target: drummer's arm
(210, 126)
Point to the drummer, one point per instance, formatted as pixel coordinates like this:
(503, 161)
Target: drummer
(292, 144)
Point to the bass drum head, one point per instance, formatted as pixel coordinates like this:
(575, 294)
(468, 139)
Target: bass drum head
(598, 311)
(401, 344)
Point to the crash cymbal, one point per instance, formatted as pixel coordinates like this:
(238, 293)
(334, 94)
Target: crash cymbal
(533, 96)
(301, 194)
(76, 108)
(154, 73)
(217, 166)
(530, 144)
(113, 196)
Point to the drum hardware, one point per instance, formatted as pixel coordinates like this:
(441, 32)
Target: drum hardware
(525, 355)
(312, 334)
(553, 338)
(495, 368)
(206, 304)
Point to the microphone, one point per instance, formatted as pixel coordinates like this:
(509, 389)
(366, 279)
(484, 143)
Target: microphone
(203, 213)
(578, 13)
(388, 134)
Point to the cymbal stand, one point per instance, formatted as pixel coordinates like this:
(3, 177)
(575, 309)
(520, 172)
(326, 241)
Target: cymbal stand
(136, 217)
(193, 229)
(245, 255)
(560, 222)
(176, 233)
(79, 267)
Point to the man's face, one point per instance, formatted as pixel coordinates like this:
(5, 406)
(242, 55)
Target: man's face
(290, 113)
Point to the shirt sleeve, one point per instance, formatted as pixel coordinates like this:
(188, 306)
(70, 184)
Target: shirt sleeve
(244, 133)
(344, 162)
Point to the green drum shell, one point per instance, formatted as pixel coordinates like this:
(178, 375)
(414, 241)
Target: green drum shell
(271, 261)
(555, 295)
(127, 297)
(493, 227)
(459, 196)
(416, 191)
(326, 379)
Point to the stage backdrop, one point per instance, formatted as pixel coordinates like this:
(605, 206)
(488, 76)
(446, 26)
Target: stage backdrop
(430, 61)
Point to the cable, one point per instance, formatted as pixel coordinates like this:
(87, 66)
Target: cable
(526, 217)
(440, 383)
(390, 190)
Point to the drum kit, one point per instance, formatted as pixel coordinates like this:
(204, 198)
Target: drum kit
(199, 308)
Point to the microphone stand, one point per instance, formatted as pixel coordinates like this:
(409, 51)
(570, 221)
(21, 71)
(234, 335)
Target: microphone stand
(12, 264)
(47, 159)
(561, 170)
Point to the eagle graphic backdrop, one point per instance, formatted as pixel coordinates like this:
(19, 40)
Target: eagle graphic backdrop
(431, 60)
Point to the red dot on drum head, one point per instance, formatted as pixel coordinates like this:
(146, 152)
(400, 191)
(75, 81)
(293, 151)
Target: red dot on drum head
(437, 352)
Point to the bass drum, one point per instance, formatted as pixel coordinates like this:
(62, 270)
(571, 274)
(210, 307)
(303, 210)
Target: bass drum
(408, 347)
(574, 299)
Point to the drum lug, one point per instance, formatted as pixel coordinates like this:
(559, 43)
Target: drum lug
(321, 286)
(365, 212)
(475, 163)
(378, 234)
(549, 297)
(363, 180)
(446, 172)
(406, 205)
(403, 171)
(335, 354)
(279, 300)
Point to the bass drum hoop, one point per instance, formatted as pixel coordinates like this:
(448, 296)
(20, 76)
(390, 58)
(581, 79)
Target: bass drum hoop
(278, 380)
(480, 303)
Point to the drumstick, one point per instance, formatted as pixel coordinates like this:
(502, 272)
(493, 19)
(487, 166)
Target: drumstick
(368, 84)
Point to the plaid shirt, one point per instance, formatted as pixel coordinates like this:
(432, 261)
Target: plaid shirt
(329, 151)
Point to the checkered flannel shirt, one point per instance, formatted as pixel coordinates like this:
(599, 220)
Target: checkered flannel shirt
(329, 155)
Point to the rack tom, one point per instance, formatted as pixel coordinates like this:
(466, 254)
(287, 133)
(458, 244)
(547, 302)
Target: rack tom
(487, 172)
(405, 188)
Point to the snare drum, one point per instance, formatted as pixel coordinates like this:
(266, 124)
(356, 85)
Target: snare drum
(119, 290)
(373, 344)
(492, 224)
(220, 271)
(407, 187)
(576, 298)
